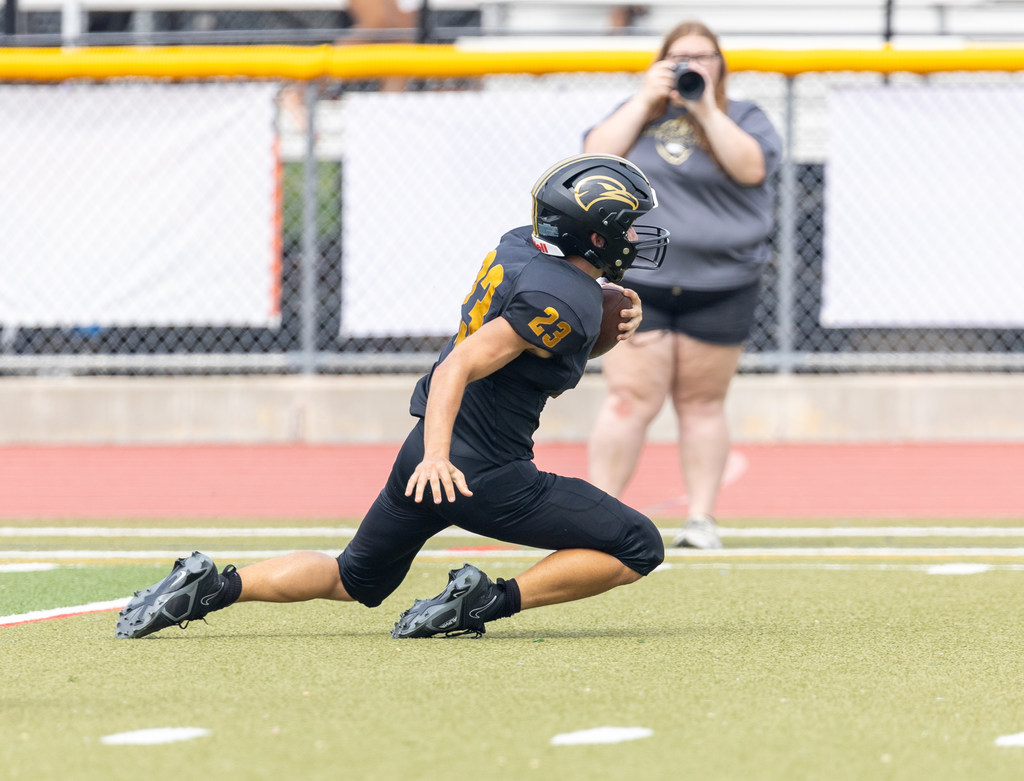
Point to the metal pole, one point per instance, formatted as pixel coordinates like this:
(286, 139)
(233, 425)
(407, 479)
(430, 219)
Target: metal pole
(887, 32)
(70, 22)
(426, 31)
(11, 17)
(309, 238)
(786, 314)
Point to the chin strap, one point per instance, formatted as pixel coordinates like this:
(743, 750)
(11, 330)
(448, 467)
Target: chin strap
(613, 275)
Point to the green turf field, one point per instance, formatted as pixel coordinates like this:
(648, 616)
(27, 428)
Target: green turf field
(760, 663)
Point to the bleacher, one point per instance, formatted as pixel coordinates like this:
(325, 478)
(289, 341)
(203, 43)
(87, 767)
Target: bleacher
(742, 23)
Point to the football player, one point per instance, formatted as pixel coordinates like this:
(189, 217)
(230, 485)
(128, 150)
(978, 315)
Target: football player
(527, 328)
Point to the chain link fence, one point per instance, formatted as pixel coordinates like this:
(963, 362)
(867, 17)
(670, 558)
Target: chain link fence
(335, 226)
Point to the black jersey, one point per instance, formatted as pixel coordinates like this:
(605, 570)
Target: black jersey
(551, 304)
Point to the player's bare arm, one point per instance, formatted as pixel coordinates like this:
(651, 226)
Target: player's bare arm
(488, 349)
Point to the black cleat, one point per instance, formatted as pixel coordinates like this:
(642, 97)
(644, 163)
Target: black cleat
(184, 595)
(455, 611)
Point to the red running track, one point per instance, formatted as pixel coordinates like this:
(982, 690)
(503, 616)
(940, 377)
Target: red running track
(969, 481)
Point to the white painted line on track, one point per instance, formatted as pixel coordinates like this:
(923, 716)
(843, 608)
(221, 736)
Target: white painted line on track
(872, 531)
(39, 567)
(958, 568)
(143, 555)
(198, 532)
(346, 532)
(847, 566)
(837, 552)
(63, 612)
(246, 555)
(491, 553)
(205, 532)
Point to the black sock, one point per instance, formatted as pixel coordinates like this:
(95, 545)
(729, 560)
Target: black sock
(230, 590)
(513, 599)
(508, 603)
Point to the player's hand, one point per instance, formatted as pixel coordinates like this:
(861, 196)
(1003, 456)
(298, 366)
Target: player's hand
(630, 317)
(438, 473)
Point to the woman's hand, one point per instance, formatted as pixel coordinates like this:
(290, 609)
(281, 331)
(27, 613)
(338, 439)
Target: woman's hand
(658, 85)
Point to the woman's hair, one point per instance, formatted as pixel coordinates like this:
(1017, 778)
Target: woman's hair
(697, 28)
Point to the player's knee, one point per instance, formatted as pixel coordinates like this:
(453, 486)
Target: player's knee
(366, 587)
(646, 548)
(654, 550)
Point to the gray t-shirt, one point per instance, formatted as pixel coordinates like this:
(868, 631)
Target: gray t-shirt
(719, 229)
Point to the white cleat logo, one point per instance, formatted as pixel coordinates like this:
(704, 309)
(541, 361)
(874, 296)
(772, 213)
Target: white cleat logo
(479, 611)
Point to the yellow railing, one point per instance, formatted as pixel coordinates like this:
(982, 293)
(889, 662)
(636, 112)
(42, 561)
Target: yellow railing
(373, 61)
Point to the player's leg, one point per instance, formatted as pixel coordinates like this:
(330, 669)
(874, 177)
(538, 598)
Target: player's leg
(192, 589)
(600, 543)
(637, 376)
(392, 532)
(375, 562)
(296, 577)
(571, 574)
(471, 599)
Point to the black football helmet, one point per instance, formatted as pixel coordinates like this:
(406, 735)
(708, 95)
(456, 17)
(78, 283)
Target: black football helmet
(601, 194)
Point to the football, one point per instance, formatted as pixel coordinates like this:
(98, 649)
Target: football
(614, 302)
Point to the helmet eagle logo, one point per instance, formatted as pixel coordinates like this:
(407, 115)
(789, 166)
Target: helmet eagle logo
(595, 189)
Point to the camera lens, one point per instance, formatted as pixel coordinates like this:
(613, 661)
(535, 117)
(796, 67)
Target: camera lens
(689, 84)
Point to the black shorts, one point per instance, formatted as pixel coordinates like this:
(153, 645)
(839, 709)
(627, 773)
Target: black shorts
(715, 316)
(513, 502)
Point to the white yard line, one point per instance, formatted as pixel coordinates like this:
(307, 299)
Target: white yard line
(873, 531)
(63, 612)
(678, 559)
(485, 553)
(204, 532)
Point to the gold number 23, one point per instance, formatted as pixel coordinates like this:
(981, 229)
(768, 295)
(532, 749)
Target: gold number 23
(539, 325)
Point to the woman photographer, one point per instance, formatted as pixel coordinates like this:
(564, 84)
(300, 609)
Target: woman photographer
(711, 160)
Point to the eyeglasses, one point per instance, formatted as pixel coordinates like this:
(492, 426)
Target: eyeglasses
(705, 58)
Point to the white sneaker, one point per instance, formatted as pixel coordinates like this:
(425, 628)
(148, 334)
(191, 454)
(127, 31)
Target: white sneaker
(700, 531)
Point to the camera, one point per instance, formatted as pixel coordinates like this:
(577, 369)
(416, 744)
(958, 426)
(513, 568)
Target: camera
(689, 83)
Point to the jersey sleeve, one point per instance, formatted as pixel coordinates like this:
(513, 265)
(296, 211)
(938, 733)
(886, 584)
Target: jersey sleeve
(548, 322)
(755, 122)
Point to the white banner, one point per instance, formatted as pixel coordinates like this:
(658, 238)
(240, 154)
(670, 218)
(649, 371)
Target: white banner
(420, 170)
(923, 219)
(138, 205)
